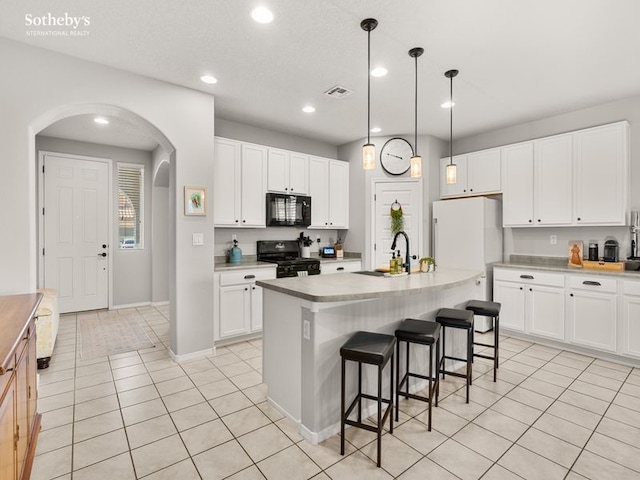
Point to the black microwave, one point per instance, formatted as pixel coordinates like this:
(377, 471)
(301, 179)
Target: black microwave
(288, 210)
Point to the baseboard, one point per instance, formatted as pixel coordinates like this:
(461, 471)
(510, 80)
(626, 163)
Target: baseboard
(191, 356)
(160, 304)
(130, 305)
(238, 339)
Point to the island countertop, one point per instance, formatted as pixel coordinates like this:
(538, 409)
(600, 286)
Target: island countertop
(352, 286)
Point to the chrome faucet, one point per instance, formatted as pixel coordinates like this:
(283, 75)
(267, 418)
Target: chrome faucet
(393, 247)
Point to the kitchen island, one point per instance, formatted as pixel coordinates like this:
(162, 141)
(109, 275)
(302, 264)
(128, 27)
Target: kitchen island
(307, 319)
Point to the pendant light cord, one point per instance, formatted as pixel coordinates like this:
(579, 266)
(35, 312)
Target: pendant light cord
(369, 86)
(451, 122)
(415, 123)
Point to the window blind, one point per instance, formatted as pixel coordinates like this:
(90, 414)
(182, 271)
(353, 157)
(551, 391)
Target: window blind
(130, 205)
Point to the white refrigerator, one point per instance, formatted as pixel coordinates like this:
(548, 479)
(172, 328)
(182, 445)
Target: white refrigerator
(467, 233)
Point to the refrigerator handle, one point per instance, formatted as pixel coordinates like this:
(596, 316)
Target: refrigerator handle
(433, 239)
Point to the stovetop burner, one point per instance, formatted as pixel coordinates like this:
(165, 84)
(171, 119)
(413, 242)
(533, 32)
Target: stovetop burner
(284, 253)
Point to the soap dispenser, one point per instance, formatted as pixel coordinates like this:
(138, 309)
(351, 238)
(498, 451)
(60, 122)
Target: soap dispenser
(392, 263)
(235, 254)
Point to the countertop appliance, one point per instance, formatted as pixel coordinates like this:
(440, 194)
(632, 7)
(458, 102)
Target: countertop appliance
(610, 251)
(467, 233)
(635, 236)
(288, 210)
(284, 253)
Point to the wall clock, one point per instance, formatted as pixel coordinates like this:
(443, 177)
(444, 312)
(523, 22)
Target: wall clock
(395, 156)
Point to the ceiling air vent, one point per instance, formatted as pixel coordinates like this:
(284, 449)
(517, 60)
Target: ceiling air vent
(338, 92)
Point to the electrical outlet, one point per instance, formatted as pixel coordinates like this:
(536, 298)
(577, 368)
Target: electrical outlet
(306, 329)
(553, 239)
(234, 237)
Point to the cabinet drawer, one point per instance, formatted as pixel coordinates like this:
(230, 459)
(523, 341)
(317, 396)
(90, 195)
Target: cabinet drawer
(247, 276)
(339, 267)
(595, 283)
(631, 288)
(529, 276)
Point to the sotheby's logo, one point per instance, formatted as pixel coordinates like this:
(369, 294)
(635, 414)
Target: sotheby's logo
(50, 25)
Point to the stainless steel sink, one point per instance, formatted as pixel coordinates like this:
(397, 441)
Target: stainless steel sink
(372, 273)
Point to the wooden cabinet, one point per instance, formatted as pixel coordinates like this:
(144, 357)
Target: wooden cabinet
(532, 302)
(517, 185)
(592, 311)
(239, 302)
(329, 190)
(601, 167)
(287, 172)
(343, 266)
(477, 173)
(19, 421)
(239, 184)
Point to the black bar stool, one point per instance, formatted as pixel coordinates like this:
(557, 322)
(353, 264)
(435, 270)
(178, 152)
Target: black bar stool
(462, 319)
(373, 349)
(488, 309)
(421, 332)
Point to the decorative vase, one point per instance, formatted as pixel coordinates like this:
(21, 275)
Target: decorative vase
(306, 252)
(424, 267)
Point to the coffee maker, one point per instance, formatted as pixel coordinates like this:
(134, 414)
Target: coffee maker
(635, 236)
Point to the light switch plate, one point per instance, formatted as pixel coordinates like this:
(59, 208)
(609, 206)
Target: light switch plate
(198, 238)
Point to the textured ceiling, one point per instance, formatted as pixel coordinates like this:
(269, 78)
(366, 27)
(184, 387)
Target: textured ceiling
(518, 60)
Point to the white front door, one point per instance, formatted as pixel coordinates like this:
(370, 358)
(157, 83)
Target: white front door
(76, 231)
(409, 195)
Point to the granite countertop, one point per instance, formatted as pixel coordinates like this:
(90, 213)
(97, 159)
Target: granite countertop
(559, 264)
(353, 286)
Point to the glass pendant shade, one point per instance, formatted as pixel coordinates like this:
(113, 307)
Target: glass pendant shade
(369, 156)
(452, 174)
(416, 166)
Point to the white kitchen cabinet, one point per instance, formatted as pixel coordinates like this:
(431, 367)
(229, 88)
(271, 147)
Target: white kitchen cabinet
(239, 302)
(517, 185)
(343, 266)
(552, 180)
(287, 172)
(592, 311)
(532, 302)
(329, 190)
(601, 179)
(239, 184)
(630, 326)
(477, 173)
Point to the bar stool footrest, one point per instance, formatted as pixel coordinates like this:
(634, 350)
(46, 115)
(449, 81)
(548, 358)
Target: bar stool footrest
(484, 344)
(483, 356)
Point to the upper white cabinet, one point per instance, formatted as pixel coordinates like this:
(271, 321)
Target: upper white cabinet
(239, 184)
(287, 172)
(552, 180)
(601, 175)
(578, 178)
(477, 173)
(329, 190)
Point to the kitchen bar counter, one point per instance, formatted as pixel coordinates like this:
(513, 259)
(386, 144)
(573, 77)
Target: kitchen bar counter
(550, 264)
(306, 320)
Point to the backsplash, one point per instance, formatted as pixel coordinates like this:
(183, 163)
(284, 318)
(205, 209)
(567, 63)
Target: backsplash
(247, 237)
(536, 241)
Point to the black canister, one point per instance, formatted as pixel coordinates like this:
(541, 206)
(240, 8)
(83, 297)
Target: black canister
(610, 251)
(593, 252)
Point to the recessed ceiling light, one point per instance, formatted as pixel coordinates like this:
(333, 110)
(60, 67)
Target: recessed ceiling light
(308, 109)
(379, 72)
(376, 130)
(210, 79)
(448, 104)
(101, 120)
(262, 15)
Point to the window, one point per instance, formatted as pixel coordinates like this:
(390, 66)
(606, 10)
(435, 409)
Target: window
(130, 205)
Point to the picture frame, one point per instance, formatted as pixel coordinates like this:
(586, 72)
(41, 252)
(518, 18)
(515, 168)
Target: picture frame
(576, 249)
(195, 200)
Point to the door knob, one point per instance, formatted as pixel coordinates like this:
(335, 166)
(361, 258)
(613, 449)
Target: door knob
(103, 254)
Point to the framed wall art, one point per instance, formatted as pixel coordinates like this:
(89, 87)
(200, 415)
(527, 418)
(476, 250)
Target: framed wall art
(195, 200)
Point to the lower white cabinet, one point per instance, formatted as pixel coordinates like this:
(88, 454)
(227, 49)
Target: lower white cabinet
(592, 311)
(341, 266)
(238, 308)
(631, 318)
(532, 302)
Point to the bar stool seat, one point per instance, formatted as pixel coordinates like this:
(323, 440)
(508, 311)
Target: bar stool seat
(461, 319)
(426, 333)
(373, 349)
(488, 309)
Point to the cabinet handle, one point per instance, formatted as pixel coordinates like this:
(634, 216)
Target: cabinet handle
(521, 288)
(531, 289)
(471, 189)
(326, 223)
(578, 218)
(253, 288)
(331, 223)
(538, 220)
(571, 294)
(286, 189)
(530, 221)
(340, 269)
(244, 221)
(591, 282)
(246, 288)
(247, 277)
(236, 221)
(465, 190)
(528, 277)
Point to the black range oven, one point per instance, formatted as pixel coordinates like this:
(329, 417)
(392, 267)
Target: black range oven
(284, 253)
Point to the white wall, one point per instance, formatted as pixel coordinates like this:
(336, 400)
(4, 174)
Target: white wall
(39, 87)
(270, 138)
(358, 238)
(131, 267)
(537, 240)
(160, 226)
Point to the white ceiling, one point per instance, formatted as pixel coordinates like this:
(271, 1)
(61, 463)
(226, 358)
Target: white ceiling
(518, 60)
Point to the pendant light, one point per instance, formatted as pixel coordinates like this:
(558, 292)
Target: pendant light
(369, 149)
(451, 175)
(416, 160)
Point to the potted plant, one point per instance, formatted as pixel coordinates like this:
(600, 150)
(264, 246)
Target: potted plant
(427, 264)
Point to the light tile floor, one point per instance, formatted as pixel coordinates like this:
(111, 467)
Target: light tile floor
(551, 414)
